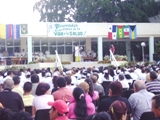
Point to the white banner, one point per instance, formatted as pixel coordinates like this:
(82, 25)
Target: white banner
(66, 29)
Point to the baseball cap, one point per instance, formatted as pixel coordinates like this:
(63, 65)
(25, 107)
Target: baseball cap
(60, 106)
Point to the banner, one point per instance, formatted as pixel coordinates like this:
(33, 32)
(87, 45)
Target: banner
(66, 29)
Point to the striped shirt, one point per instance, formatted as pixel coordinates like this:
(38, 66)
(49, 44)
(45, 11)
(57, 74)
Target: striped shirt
(153, 86)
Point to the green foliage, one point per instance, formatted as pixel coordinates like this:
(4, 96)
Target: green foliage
(15, 68)
(55, 10)
(96, 10)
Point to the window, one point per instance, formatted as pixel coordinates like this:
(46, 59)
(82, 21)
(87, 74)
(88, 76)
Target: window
(68, 50)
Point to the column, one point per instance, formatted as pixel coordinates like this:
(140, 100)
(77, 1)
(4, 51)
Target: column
(23, 44)
(151, 48)
(88, 44)
(128, 50)
(29, 44)
(100, 49)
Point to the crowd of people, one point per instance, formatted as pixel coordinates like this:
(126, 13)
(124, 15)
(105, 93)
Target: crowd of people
(80, 93)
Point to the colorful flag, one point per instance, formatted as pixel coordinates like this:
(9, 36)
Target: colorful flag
(120, 31)
(16, 31)
(132, 32)
(126, 31)
(8, 31)
(24, 29)
(3, 31)
(112, 32)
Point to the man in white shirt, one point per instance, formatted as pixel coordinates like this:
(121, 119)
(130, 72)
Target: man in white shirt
(47, 53)
(77, 54)
(141, 100)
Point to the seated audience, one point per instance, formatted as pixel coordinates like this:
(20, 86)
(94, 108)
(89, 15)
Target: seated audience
(17, 88)
(5, 114)
(54, 81)
(27, 97)
(140, 101)
(156, 106)
(93, 94)
(21, 115)
(115, 91)
(124, 83)
(58, 110)
(43, 97)
(63, 93)
(154, 85)
(10, 99)
(96, 86)
(35, 82)
(80, 108)
(118, 110)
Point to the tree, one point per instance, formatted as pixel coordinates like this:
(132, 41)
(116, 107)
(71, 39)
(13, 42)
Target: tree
(96, 10)
(55, 10)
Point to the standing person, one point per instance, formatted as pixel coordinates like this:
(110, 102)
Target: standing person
(76, 53)
(112, 48)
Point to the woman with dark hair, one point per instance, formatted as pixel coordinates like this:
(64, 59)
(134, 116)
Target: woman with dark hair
(94, 94)
(42, 97)
(118, 110)
(80, 108)
(106, 76)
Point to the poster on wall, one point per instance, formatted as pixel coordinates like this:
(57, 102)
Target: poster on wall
(66, 29)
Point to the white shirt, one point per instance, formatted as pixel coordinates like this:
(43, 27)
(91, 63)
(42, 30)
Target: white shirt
(7, 77)
(49, 81)
(76, 51)
(23, 54)
(41, 102)
(124, 83)
(134, 76)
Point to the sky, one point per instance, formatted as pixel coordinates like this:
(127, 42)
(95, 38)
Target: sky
(18, 11)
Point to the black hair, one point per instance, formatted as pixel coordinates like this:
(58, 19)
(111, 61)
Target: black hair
(21, 115)
(34, 78)
(68, 80)
(116, 88)
(90, 83)
(121, 77)
(43, 73)
(81, 105)
(153, 75)
(5, 114)
(27, 87)
(99, 116)
(157, 101)
(61, 82)
(111, 71)
(106, 76)
(16, 79)
(9, 72)
(42, 88)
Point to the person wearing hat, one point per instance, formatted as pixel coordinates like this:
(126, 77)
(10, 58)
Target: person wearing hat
(58, 110)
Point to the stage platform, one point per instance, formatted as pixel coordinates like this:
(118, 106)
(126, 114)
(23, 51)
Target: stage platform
(53, 65)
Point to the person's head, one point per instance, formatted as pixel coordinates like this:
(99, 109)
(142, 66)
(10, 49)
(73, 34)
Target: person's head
(10, 73)
(5, 114)
(68, 80)
(8, 84)
(139, 85)
(21, 115)
(85, 86)
(59, 108)
(118, 110)
(99, 116)
(94, 78)
(153, 75)
(121, 77)
(81, 106)
(90, 83)
(27, 88)
(42, 88)
(61, 82)
(35, 78)
(16, 80)
(156, 106)
(115, 88)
